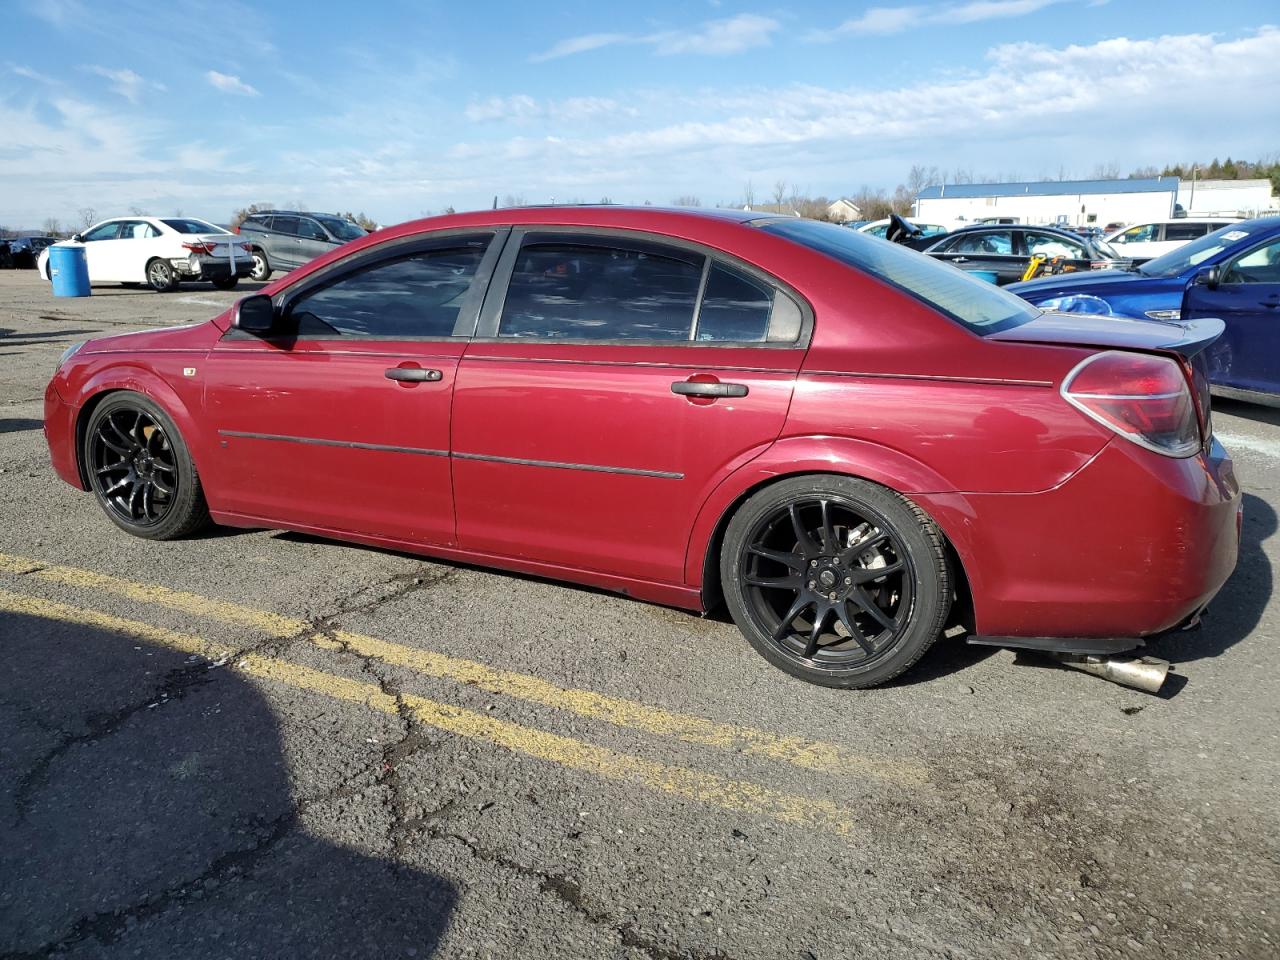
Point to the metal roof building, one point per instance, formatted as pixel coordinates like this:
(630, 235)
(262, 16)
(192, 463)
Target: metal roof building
(1070, 202)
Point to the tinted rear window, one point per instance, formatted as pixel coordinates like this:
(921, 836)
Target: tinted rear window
(982, 307)
(192, 226)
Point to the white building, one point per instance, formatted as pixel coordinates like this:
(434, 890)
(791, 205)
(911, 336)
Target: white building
(843, 210)
(1236, 198)
(1068, 202)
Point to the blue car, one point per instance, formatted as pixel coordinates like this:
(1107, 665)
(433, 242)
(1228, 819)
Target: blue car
(1232, 273)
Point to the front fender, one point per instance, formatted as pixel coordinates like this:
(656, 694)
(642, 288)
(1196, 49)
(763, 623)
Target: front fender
(180, 395)
(815, 454)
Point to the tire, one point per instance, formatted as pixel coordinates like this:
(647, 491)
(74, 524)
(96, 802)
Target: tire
(261, 266)
(141, 471)
(225, 283)
(160, 276)
(807, 549)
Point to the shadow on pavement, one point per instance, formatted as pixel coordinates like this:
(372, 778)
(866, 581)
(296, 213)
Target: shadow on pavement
(19, 424)
(145, 810)
(1247, 411)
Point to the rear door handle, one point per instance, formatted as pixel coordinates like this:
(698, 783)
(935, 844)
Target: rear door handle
(693, 388)
(412, 374)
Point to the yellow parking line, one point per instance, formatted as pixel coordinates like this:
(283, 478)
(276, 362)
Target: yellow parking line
(734, 795)
(688, 728)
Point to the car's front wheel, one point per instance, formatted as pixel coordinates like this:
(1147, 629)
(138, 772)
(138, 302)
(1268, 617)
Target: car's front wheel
(835, 580)
(140, 469)
(261, 266)
(160, 276)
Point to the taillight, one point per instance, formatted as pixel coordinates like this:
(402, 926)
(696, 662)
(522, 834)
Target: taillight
(236, 229)
(199, 247)
(1142, 397)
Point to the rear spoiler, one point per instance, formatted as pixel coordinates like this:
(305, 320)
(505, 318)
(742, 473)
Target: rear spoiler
(1186, 338)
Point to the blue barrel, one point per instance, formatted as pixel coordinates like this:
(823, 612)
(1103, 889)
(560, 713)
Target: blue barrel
(988, 275)
(69, 270)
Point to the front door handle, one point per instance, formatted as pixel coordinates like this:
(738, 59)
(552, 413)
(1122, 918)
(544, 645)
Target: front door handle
(412, 374)
(959, 259)
(694, 388)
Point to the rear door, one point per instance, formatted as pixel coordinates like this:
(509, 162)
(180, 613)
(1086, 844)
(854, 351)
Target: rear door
(985, 250)
(1247, 300)
(614, 379)
(283, 243)
(341, 422)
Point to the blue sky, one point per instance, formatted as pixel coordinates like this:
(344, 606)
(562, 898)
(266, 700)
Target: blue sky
(399, 108)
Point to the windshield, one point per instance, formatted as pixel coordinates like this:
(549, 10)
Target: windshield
(193, 226)
(1196, 252)
(1106, 249)
(982, 307)
(342, 229)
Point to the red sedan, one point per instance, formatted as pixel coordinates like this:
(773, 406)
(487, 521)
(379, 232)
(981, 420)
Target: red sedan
(843, 439)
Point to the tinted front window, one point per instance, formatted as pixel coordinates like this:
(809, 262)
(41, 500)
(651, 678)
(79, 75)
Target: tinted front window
(989, 243)
(1257, 266)
(342, 229)
(107, 231)
(310, 230)
(1052, 245)
(980, 306)
(418, 295)
(565, 290)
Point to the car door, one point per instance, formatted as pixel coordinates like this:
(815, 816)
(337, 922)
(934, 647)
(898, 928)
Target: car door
(593, 416)
(991, 251)
(283, 244)
(312, 240)
(1247, 300)
(340, 419)
(98, 250)
(139, 241)
(1050, 245)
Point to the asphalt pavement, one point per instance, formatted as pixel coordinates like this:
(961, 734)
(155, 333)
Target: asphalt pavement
(261, 744)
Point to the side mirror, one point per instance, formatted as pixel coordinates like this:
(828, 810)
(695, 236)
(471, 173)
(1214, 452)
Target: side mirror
(1210, 277)
(77, 238)
(255, 314)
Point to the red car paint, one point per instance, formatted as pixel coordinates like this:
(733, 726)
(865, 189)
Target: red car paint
(1062, 528)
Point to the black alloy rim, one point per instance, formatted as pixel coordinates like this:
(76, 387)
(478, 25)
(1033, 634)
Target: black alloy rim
(829, 583)
(134, 468)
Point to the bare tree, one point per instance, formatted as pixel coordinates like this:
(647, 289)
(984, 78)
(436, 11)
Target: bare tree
(88, 217)
(686, 200)
(606, 201)
(513, 200)
(449, 210)
(748, 196)
(52, 227)
(779, 193)
(239, 216)
(1106, 171)
(137, 211)
(873, 204)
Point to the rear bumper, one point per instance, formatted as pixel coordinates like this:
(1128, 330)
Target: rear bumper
(212, 268)
(60, 434)
(1131, 546)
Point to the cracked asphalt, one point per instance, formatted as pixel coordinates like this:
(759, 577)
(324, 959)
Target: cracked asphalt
(260, 744)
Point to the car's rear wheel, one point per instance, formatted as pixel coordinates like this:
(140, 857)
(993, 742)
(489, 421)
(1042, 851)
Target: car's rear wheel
(225, 283)
(835, 580)
(261, 266)
(160, 276)
(141, 471)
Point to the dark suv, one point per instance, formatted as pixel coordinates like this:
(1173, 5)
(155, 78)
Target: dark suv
(284, 239)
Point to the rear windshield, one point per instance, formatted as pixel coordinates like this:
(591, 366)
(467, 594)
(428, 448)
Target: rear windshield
(982, 307)
(342, 229)
(193, 226)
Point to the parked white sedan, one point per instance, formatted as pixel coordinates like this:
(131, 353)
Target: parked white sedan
(161, 252)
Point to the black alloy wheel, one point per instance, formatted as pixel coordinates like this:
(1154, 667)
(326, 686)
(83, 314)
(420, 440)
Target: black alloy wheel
(140, 470)
(837, 581)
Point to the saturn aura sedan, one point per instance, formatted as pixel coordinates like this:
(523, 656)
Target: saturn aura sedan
(848, 443)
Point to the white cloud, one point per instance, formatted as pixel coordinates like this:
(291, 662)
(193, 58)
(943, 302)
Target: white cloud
(522, 108)
(124, 82)
(886, 20)
(711, 38)
(228, 83)
(25, 71)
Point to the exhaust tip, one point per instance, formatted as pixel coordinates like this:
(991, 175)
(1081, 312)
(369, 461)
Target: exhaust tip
(1141, 673)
